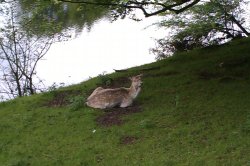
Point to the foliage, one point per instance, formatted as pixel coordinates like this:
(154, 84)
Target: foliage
(55, 86)
(148, 7)
(70, 16)
(105, 79)
(206, 24)
(185, 119)
(20, 52)
(77, 102)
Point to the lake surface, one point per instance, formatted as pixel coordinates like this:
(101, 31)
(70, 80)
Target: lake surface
(118, 45)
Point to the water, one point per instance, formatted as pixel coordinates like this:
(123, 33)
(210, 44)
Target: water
(118, 45)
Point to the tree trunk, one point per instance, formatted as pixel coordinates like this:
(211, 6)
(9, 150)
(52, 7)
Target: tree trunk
(32, 91)
(19, 89)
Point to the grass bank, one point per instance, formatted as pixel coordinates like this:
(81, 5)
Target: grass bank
(194, 109)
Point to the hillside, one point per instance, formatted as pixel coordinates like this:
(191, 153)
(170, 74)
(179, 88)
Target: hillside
(194, 109)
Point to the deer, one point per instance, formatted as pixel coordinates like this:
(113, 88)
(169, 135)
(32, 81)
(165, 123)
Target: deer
(118, 97)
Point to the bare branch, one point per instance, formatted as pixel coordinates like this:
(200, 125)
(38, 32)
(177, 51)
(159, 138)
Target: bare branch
(20, 52)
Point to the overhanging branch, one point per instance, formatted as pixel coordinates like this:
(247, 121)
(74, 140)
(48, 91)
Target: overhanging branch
(141, 5)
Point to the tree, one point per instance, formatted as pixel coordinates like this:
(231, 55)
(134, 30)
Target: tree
(210, 23)
(27, 35)
(83, 13)
(20, 53)
(148, 7)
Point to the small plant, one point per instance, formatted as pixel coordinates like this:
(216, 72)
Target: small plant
(55, 86)
(177, 100)
(104, 79)
(77, 102)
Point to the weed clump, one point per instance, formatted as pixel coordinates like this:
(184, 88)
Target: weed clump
(77, 102)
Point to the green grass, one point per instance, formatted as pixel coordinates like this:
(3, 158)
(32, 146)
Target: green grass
(195, 111)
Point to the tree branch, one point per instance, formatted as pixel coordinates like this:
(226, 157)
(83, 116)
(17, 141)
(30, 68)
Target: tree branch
(239, 25)
(142, 6)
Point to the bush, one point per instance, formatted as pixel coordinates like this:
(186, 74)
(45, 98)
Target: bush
(77, 102)
(105, 79)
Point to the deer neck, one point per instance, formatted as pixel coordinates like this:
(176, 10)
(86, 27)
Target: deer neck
(134, 91)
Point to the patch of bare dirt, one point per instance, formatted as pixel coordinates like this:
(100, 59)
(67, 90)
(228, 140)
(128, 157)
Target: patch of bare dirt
(128, 140)
(114, 116)
(62, 98)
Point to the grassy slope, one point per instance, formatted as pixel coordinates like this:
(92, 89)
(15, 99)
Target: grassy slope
(194, 113)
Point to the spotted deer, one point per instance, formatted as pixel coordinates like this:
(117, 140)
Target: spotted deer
(118, 97)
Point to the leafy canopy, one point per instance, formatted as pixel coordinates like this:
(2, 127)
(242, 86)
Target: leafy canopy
(53, 16)
(210, 23)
